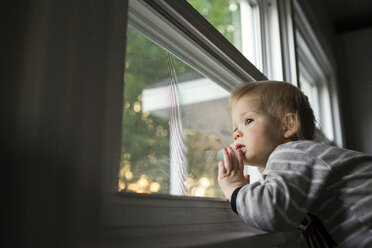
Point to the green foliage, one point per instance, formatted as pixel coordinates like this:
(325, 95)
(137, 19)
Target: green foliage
(145, 137)
(140, 137)
(221, 14)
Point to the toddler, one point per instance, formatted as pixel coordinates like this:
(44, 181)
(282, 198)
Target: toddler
(322, 190)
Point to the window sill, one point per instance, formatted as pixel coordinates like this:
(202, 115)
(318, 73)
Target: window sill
(138, 220)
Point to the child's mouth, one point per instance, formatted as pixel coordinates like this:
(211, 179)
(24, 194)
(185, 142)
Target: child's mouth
(240, 147)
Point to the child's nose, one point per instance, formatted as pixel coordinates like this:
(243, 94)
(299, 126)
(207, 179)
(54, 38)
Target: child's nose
(237, 134)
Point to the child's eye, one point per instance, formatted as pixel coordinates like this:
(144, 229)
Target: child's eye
(247, 121)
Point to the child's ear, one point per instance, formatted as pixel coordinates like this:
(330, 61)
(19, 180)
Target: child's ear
(290, 125)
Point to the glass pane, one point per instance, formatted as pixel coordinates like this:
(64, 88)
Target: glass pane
(175, 121)
(311, 92)
(224, 16)
(238, 21)
(327, 122)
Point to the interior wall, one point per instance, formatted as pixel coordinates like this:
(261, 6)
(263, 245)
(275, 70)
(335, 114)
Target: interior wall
(355, 56)
(350, 55)
(64, 78)
(317, 14)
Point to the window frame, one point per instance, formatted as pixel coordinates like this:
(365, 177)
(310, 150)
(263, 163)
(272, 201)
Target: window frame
(271, 39)
(316, 56)
(138, 220)
(277, 40)
(192, 32)
(287, 38)
(251, 32)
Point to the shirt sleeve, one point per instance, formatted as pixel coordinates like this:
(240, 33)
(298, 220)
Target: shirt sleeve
(291, 181)
(233, 199)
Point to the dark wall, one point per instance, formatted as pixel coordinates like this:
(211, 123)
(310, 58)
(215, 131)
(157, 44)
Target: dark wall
(350, 54)
(64, 70)
(355, 57)
(319, 17)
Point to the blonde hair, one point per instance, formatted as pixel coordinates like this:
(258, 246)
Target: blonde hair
(277, 99)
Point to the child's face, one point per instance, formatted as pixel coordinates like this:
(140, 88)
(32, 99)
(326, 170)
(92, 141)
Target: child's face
(255, 133)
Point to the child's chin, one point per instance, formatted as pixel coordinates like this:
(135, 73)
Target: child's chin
(250, 162)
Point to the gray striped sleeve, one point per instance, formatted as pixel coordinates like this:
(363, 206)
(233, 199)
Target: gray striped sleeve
(291, 180)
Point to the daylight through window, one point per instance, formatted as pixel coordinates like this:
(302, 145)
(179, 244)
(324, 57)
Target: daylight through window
(174, 122)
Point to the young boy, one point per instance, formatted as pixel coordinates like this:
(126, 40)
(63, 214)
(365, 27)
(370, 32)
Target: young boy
(324, 191)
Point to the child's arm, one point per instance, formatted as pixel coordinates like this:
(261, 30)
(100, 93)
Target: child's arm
(230, 172)
(291, 180)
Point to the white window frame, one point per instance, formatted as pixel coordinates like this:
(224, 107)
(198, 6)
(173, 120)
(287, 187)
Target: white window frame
(277, 58)
(287, 38)
(271, 39)
(251, 32)
(139, 220)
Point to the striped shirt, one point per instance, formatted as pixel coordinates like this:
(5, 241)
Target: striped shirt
(303, 177)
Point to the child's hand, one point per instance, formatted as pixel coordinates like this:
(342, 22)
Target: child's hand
(230, 172)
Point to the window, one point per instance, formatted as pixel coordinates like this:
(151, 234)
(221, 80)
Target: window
(239, 22)
(225, 16)
(184, 62)
(172, 85)
(310, 79)
(314, 85)
(252, 26)
(316, 79)
(175, 121)
(184, 54)
(155, 159)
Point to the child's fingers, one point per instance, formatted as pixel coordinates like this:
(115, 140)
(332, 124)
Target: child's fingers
(226, 157)
(221, 169)
(240, 160)
(234, 160)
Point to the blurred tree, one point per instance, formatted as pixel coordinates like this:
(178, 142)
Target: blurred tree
(145, 151)
(224, 15)
(144, 166)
